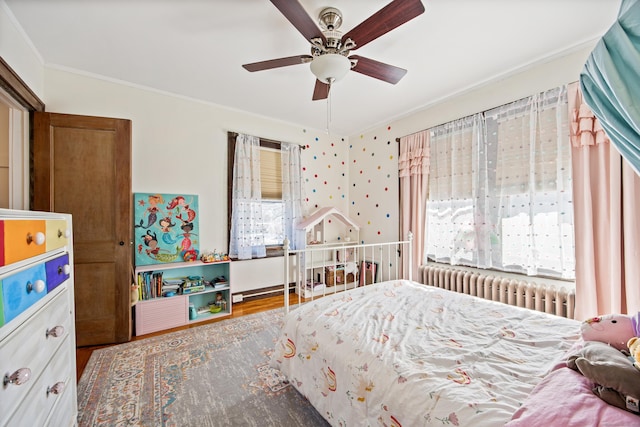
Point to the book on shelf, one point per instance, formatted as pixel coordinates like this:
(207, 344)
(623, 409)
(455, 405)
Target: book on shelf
(168, 287)
(219, 282)
(193, 289)
(149, 285)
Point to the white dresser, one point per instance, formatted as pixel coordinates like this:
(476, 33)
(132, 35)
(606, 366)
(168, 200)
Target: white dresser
(37, 322)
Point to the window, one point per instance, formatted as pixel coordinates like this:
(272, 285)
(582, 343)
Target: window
(267, 214)
(271, 189)
(500, 192)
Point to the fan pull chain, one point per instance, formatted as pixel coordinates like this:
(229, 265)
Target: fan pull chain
(329, 109)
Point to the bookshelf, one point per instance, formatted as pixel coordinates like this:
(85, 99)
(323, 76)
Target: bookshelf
(327, 265)
(199, 294)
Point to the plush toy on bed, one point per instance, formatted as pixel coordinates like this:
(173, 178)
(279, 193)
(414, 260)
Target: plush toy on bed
(634, 351)
(615, 379)
(612, 329)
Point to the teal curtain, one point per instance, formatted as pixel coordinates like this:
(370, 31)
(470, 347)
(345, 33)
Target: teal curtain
(610, 82)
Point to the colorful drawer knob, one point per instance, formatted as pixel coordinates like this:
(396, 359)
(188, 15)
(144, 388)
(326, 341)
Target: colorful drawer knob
(37, 238)
(37, 286)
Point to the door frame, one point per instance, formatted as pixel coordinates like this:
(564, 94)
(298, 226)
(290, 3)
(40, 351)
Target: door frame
(23, 102)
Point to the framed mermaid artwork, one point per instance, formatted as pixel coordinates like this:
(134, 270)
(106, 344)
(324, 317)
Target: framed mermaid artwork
(165, 228)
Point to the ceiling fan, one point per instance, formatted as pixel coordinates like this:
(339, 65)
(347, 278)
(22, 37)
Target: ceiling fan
(330, 49)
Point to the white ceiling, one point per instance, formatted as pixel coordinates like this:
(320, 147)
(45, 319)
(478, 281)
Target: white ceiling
(196, 48)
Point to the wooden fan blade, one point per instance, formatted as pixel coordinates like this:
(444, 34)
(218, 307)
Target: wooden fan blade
(386, 19)
(321, 91)
(378, 70)
(276, 63)
(295, 13)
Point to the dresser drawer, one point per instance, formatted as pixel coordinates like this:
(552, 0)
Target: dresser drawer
(21, 290)
(58, 234)
(41, 399)
(65, 411)
(31, 346)
(58, 270)
(21, 239)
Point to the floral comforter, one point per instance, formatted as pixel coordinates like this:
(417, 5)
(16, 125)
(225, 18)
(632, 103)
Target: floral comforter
(400, 353)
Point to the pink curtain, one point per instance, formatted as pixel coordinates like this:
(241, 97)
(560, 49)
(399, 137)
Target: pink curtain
(413, 168)
(606, 196)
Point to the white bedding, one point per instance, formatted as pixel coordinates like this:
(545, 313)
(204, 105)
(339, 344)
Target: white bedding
(400, 353)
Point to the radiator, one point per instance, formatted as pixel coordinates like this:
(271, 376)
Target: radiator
(521, 293)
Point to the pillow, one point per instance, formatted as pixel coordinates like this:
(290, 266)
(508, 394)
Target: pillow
(610, 396)
(614, 374)
(565, 398)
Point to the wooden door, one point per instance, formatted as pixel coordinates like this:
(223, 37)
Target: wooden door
(82, 166)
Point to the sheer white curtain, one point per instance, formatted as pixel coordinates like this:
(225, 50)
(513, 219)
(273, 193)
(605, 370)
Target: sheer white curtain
(500, 189)
(452, 233)
(247, 229)
(292, 193)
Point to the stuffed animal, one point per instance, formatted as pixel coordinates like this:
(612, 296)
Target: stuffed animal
(612, 329)
(134, 294)
(634, 351)
(615, 379)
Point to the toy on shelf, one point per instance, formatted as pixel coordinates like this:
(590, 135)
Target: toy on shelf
(213, 256)
(219, 304)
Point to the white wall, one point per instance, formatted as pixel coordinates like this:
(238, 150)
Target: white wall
(375, 199)
(19, 53)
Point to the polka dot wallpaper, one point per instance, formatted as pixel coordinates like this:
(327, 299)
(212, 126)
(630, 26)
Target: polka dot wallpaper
(357, 175)
(373, 184)
(325, 173)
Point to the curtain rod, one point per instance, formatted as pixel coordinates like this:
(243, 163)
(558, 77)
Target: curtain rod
(398, 139)
(566, 84)
(423, 130)
(272, 141)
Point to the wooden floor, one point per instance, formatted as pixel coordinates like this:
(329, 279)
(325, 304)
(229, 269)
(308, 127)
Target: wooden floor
(239, 309)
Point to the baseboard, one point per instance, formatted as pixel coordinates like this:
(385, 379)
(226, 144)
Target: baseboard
(264, 292)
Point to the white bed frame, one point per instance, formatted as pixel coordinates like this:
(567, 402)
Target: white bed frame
(300, 264)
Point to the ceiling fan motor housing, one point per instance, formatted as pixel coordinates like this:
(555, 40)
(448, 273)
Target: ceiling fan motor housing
(330, 18)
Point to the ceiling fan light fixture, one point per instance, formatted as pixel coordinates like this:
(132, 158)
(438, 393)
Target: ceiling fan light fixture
(330, 67)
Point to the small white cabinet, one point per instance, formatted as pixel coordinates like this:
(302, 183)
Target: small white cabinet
(207, 298)
(330, 259)
(37, 321)
(325, 268)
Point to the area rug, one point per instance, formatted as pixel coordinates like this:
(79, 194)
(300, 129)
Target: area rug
(211, 375)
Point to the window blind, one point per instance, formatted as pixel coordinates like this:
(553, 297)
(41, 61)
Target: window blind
(270, 173)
